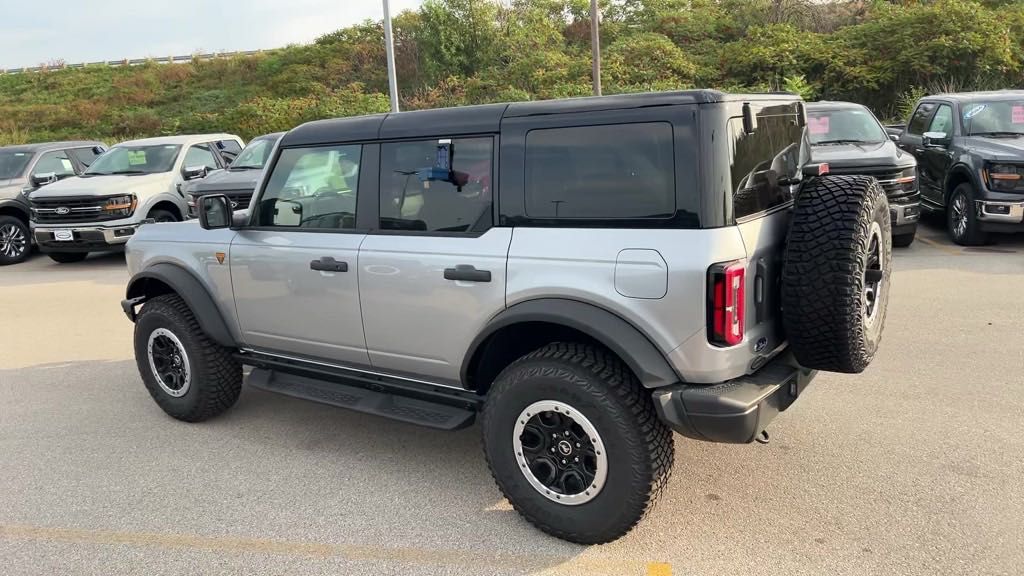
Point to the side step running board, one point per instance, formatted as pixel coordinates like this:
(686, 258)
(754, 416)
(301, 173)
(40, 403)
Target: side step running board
(396, 407)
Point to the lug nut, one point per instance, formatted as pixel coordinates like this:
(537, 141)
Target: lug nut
(563, 461)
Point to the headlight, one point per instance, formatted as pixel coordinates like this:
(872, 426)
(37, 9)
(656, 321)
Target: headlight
(907, 180)
(1004, 177)
(120, 205)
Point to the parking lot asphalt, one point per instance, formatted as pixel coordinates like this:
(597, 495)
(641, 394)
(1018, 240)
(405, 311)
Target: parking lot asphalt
(914, 467)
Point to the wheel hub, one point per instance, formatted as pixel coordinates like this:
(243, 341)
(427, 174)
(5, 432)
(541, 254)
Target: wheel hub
(560, 452)
(169, 363)
(959, 215)
(12, 241)
(874, 273)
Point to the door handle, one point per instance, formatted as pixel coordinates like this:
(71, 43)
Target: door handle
(467, 273)
(328, 264)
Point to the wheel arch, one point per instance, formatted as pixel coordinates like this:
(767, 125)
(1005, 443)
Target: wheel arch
(168, 206)
(958, 175)
(16, 210)
(526, 326)
(165, 278)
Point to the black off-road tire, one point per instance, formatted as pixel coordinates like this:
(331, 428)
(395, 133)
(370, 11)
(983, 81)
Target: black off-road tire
(903, 240)
(216, 376)
(595, 383)
(972, 234)
(19, 241)
(824, 303)
(161, 215)
(67, 257)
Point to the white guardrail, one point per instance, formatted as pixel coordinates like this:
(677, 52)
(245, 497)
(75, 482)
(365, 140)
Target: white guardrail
(132, 62)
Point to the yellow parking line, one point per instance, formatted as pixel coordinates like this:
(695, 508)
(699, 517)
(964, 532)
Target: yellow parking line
(942, 247)
(483, 561)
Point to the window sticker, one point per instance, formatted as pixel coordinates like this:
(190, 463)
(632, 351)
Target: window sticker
(972, 112)
(817, 125)
(136, 157)
(1017, 114)
(67, 165)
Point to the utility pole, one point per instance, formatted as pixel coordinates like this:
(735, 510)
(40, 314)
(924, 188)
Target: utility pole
(390, 48)
(595, 45)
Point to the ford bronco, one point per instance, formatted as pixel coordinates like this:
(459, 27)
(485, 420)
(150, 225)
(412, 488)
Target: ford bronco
(574, 272)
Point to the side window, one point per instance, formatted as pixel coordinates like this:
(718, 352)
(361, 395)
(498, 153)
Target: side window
(85, 155)
(775, 150)
(601, 172)
(312, 188)
(919, 120)
(943, 120)
(417, 195)
(229, 150)
(56, 162)
(200, 155)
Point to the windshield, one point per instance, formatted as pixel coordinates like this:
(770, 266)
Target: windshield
(12, 164)
(254, 156)
(994, 118)
(135, 160)
(853, 126)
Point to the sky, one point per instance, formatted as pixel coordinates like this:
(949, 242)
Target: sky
(34, 33)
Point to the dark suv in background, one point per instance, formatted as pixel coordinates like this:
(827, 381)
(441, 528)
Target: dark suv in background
(851, 140)
(238, 181)
(970, 154)
(23, 170)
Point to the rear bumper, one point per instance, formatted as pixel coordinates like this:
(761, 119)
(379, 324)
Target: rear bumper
(736, 411)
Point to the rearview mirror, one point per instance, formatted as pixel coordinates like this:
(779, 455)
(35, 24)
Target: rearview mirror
(97, 150)
(43, 179)
(215, 212)
(940, 139)
(194, 172)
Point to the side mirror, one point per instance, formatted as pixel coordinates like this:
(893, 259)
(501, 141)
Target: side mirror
(936, 139)
(43, 179)
(194, 172)
(894, 137)
(215, 212)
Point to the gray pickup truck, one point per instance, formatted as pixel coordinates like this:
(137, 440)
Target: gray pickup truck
(575, 272)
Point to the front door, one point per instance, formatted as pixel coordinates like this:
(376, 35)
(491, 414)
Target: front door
(935, 159)
(434, 274)
(294, 270)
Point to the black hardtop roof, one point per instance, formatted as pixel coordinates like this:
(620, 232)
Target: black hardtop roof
(486, 118)
(46, 146)
(990, 96)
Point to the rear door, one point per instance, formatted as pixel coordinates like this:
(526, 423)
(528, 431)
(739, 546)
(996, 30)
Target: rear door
(294, 269)
(433, 273)
(912, 141)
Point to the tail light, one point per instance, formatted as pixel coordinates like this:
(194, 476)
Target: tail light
(726, 302)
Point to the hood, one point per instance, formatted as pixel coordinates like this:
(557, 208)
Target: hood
(106, 185)
(999, 149)
(861, 155)
(226, 180)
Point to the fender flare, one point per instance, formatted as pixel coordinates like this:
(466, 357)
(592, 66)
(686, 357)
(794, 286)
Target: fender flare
(955, 170)
(190, 289)
(618, 335)
(17, 206)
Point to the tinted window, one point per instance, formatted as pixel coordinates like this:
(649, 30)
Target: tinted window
(620, 171)
(229, 150)
(56, 162)
(919, 119)
(84, 155)
(312, 188)
(943, 120)
(200, 155)
(775, 150)
(415, 197)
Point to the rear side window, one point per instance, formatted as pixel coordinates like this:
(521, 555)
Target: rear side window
(919, 120)
(623, 171)
(777, 149)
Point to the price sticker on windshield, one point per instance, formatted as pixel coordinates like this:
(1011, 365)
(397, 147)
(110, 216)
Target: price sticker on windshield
(817, 124)
(136, 157)
(1017, 114)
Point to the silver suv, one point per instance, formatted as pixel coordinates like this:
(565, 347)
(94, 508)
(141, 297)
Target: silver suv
(577, 272)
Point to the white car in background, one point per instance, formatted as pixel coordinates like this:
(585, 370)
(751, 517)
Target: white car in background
(132, 182)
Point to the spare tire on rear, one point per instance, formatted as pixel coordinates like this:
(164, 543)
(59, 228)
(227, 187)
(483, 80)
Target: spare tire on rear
(835, 274)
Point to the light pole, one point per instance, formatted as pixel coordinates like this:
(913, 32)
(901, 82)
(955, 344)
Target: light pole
(390, 49)
(595, 45)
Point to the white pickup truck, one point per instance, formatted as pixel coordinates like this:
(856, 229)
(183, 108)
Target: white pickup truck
(133, 181)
